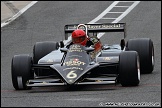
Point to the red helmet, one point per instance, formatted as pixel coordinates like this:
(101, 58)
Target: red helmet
(79, 36)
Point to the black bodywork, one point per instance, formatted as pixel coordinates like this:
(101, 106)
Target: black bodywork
(77, 67)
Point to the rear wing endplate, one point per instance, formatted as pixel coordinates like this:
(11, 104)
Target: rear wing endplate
(96, 28)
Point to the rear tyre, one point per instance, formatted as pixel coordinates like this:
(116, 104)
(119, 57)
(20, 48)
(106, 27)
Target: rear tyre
(21, 71)
(41, 49)
(145, 49)
(129, 70)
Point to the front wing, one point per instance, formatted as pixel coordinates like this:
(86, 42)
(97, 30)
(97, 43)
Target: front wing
(54, 82)
(41, 81)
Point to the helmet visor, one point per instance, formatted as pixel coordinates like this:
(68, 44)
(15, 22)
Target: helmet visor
(78, 39)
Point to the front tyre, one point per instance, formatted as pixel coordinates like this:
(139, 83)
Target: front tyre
(41, 49)
(129, 69)
(21, 71)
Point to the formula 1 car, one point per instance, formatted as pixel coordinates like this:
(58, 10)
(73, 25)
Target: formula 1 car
(53, 63)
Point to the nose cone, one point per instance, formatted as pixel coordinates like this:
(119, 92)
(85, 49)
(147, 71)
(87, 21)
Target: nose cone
(71, 76)
(70, 81)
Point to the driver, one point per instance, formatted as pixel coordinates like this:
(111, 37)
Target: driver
(79, 37)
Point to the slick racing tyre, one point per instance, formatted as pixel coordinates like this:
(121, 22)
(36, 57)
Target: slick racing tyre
(21, 71)
(129, 70)
(145, 49)
(41, 49)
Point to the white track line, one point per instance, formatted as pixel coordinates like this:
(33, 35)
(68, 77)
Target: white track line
(108, 11)
(18, 14)
(96, 19)
(103, 13)
(126, 12)
(122, 6)
(121, 16)
(91, 22)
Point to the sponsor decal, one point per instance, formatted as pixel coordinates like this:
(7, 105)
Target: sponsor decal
(50, 60)
(102, 26)
(74, 62)
(75, 56)
(71, 68)
(107, 58)
(75, 48)
(44, 82)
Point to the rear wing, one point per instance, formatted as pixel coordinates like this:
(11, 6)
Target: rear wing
(96, 28)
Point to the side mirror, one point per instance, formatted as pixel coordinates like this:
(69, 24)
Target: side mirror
(105, 47)
(62, 44)
(122, 44)
(88, 50)
(63, 50)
